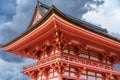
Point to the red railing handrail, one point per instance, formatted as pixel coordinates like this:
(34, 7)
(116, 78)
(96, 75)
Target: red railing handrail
(76, 59)
(40, 61)
(104, 66)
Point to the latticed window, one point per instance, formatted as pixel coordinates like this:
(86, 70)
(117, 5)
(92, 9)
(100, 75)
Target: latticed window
(89, 75)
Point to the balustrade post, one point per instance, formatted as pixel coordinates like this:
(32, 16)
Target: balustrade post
(34, 79)
(46, 78)
(60, 77)
(79, 71)
(106, 76)
(77, 79)
(77, 59)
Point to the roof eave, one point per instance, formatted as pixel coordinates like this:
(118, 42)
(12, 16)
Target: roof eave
(47, 15)
(54, 10)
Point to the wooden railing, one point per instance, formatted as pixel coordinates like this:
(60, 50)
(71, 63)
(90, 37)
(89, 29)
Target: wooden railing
(42, 61)
(75, 60)
(88, 63)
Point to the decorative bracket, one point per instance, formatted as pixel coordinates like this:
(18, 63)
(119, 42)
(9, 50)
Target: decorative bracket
(117, 77)
(59, 67)
(45, 72)
(106, 76)
(79, 71)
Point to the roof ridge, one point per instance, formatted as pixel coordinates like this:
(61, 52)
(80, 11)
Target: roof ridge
(80, 20)
(88, 23)
(70, 18)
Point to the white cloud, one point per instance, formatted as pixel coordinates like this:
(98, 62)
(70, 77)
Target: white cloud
(21, 19)
(3, 19)
(11, 71)
(24, 11)
(4, 65)
(8, 29)
(108, 16)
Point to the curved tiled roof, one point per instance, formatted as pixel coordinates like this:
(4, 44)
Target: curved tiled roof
(41, 7)
(81, 23)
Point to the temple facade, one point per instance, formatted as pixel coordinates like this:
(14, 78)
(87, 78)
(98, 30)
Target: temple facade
(66, 48)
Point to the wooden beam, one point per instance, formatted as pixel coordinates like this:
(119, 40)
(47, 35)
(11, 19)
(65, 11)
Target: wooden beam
(106, 76)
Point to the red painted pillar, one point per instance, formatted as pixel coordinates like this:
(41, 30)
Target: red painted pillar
(34, 79)
(60, 77)
(47, 79)
(77, 79)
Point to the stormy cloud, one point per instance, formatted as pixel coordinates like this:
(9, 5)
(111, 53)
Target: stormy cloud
(76, 8)
(10, 57)
(15, 16)
(12, 26)
(21, 12)
(7, 9)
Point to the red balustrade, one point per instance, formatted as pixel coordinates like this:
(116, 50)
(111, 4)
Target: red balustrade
(74, 59)
(41, 62)
(89, 63)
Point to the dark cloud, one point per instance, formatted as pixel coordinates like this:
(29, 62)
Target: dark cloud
(12, 74)
(76, 8)
(20, 20)
(21, 13)
(9, 57)
(117, 35)
(7, 8)
(24, 13)
(7, 33)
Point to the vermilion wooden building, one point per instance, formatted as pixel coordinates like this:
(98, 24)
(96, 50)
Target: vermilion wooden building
(66, 48)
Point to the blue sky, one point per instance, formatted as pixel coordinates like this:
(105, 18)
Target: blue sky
(15, 16)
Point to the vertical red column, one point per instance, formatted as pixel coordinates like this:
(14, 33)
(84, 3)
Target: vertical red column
(60, 77)
(34, 79)
(77, 79)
